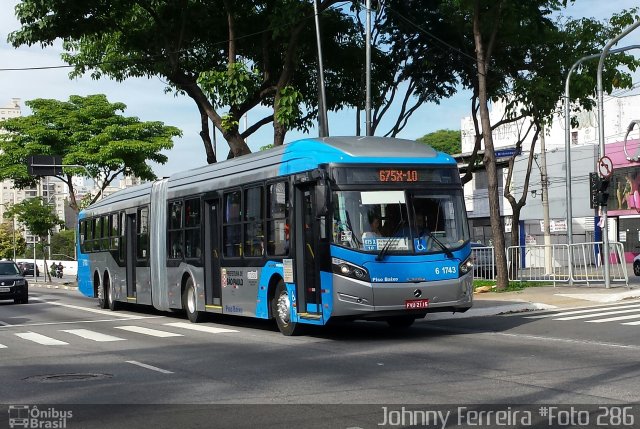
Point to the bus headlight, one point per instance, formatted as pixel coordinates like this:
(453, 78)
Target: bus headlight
(466, 266)
(347, 269)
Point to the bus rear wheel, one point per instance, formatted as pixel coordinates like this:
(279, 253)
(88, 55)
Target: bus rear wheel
(111, 296)
(189, 303)
(103, 303)
(400, 322)
(281, 311)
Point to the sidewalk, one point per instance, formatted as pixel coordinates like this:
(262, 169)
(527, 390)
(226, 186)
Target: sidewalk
(549, 298)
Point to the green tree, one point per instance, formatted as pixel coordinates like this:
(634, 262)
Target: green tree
(447, 141)
(515, 52)
(63, 245)
(12, 241)
(229, 57)
(86, 131)
(38, 218)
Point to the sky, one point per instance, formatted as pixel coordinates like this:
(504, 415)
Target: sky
(147, 100)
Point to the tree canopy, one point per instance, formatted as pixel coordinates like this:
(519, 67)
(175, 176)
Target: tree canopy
(447, 141)
(12, 241)
(85, 131)
(229, 57)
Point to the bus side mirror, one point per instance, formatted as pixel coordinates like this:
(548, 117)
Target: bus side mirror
(322, 199)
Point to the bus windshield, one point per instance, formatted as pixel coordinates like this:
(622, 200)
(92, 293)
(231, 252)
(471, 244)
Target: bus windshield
(405, 222)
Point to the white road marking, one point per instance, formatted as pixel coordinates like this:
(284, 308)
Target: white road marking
(41, 339)
(590, 310)
(631, 323)
(585, 316)
(93, 310)
(201, 328)
(73, 322)
(147, 331)
(92, 335)
(153, 368)
(614, 319)
(2, 346)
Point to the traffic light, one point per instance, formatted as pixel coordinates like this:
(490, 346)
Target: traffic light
(599, 190)
(603, 191)
(594, 182)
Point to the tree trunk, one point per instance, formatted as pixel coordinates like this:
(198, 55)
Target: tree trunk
(514, 257)
(502, 278)
(206, 137)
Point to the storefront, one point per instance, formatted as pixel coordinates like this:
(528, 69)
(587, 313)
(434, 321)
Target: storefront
(624, 197)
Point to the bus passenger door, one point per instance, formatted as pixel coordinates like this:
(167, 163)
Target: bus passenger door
(213, 287)
(307, 272)
(131, 260)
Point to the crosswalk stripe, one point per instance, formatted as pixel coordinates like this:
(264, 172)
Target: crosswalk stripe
(92, 335)
(585, 316)
(2, 346)
(41, 339)
(590, 310)
(148, 331)
(200, 328)
(615, 319)
(631, 323)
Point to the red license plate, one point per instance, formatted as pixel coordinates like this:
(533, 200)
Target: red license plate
(416, 304)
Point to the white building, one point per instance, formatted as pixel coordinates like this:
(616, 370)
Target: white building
(618, 113)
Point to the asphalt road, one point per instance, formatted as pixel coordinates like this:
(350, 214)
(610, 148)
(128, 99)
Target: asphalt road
(62, 350)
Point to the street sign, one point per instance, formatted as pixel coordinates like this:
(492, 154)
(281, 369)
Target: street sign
(44, 165)
(605, 167)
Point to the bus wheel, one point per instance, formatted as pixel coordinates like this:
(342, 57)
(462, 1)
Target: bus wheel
(281, 310)
(103, 302)
(189, 303)
(401, 322)
(111, 296)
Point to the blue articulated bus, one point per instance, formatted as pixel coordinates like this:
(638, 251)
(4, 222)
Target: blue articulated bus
(318, 229)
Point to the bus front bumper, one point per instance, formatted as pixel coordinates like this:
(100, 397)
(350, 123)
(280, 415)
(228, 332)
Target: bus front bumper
(371, 300)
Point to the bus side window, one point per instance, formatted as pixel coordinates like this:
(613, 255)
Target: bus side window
(277, 218)
(232, 224)
(253, 226)
(174, 241)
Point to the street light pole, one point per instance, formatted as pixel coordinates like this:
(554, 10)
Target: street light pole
(603, 209)
(567, 141)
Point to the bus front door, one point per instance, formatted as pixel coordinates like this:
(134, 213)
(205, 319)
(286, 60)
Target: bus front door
(213, 288)
(307, 266)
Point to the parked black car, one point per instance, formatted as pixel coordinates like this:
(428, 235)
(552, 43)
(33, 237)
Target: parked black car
(12, 283)
(27, 269)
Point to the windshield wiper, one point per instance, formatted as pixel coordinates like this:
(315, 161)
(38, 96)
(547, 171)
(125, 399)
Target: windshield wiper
(393, 239)
(435, 239)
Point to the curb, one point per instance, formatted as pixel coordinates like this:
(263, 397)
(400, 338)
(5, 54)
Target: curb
(52, 286)
(521, 307)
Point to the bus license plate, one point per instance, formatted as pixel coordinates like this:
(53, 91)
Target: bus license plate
(5, 289)
(416, 304)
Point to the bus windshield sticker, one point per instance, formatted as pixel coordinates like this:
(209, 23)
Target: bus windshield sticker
(382, 197)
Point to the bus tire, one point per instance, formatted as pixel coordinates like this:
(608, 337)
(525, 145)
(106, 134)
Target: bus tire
(401, 322)
(189, 302)
(103, 302)
(281, 310)
(111, 298)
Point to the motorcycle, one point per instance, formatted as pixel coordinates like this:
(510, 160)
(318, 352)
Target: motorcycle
(56, 272)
